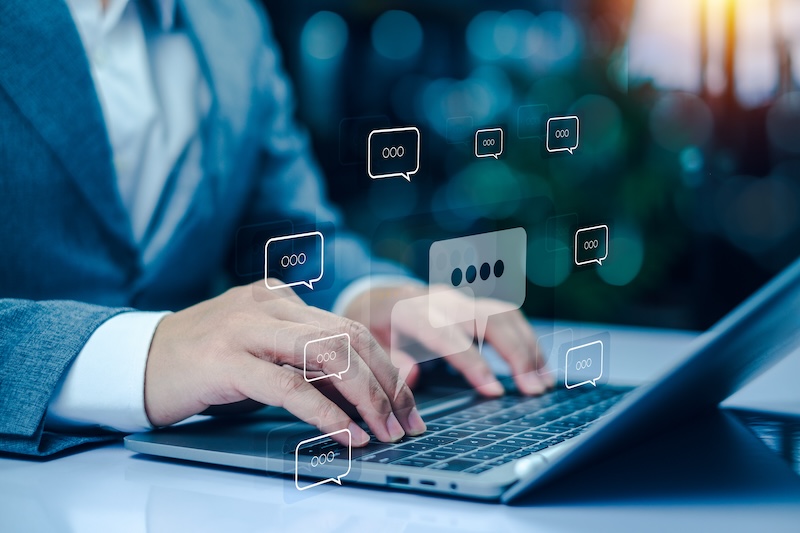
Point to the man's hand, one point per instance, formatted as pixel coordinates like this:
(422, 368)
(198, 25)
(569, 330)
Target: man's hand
(508, 331)
(231, 348)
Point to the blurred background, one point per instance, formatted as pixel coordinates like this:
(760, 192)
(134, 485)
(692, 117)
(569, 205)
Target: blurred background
(690, 135)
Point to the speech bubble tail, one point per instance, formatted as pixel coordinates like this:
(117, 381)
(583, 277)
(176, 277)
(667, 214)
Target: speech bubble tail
(337, 480)
(571, 152)
(594, 382)
(309, 285)
(407, 177)
(480, 330)
(339, 375)
(599, 262)
(496, 156)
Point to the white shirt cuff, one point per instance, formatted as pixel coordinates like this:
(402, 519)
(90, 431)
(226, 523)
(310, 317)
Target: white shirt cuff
(366, 283)
(104, 386)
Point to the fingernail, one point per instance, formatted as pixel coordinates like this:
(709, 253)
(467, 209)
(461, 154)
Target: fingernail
(393, 426)
(492, 388)
(416, 423)
(532, 383)
(359, 436)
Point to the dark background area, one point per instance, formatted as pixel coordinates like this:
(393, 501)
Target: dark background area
(701, 192)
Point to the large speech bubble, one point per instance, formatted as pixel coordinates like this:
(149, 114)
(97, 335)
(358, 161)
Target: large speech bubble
(393, 152)
(322, 460)
(489, 143)
(293, 260)
(584, 364)
(329, 355)
(487, 265)
(591, 245)
(563, 134)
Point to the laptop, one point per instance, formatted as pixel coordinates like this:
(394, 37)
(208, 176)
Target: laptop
(501, 449)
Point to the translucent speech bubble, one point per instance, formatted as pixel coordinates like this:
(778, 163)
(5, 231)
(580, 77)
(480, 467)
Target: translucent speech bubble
(489, 142)
(563, 134)
(591, 245)
(584, 365)
(487, 265)
(547, 346)
(332, 354)
(320, 458)
(393, 152)
(297, 259)
(411, 315)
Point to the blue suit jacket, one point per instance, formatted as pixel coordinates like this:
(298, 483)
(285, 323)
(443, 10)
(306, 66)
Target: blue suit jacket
(69, 259)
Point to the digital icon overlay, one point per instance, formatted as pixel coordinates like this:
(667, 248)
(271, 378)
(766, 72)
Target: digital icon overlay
(330, 354)
(293, 260)
(584, 364)
(393, 152)
(563, 134)
(487, 265)
(489, 143)
(591, 245)
(314, 458)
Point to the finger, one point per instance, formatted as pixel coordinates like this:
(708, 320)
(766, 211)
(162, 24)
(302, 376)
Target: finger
(515, 342)
(273, 385)
(348, 372)
(407, 367)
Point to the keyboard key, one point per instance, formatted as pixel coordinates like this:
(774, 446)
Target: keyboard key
(474, 443)
(434, 427)
(517, 442)
(450, 421)
(455, 465)
(475, 428)
(478, 469)
(481, 455)
(437, 440)
(493, 435)
(500, 461)
(416, 447)
(436, 455)
(386, 456)
(455, 433)
(455, 448)
(535, 435)
(552, 430)
(500, 449)
(502, 418)
(416, 462)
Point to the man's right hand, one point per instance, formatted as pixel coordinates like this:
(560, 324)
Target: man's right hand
(230, 348)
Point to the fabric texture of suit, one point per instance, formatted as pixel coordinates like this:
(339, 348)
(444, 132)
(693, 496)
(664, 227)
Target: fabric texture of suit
(70, 261)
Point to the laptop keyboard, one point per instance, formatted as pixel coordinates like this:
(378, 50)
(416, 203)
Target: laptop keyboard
(490, 432)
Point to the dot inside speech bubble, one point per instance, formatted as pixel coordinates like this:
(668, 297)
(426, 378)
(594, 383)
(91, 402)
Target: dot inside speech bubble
(321, 460)
(293, 260)
(393, 152)
(328, 355)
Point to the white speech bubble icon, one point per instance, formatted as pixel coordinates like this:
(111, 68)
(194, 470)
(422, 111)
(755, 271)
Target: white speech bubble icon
(591, 245)
(560, 135)
(321, 463)
(393, 152)
(487, 265)
(489, 142)
(290, 261)
(328, 353)
(583, 361)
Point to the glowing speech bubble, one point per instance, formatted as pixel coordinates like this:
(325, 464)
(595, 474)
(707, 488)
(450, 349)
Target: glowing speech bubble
(563, 134)
(584, 365)
(489, 143)
(487, 265)
(320, 458)
(293, 260)
(393, 152)
(330, 354)
(591, 245)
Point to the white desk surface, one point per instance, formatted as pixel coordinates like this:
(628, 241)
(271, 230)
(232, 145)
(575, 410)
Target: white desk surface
(112, 489)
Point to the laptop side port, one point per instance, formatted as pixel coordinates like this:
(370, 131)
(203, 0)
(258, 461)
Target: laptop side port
(397, 480)
(427, 482)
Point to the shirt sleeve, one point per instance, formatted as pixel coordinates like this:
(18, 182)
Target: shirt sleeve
(104, 386)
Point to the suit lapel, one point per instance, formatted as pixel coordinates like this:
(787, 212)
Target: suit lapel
(43, 68)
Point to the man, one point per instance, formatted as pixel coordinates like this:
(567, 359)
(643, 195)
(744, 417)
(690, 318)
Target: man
(136, 138)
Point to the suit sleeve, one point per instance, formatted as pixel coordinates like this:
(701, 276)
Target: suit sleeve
(39, 341)
(290, 185)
